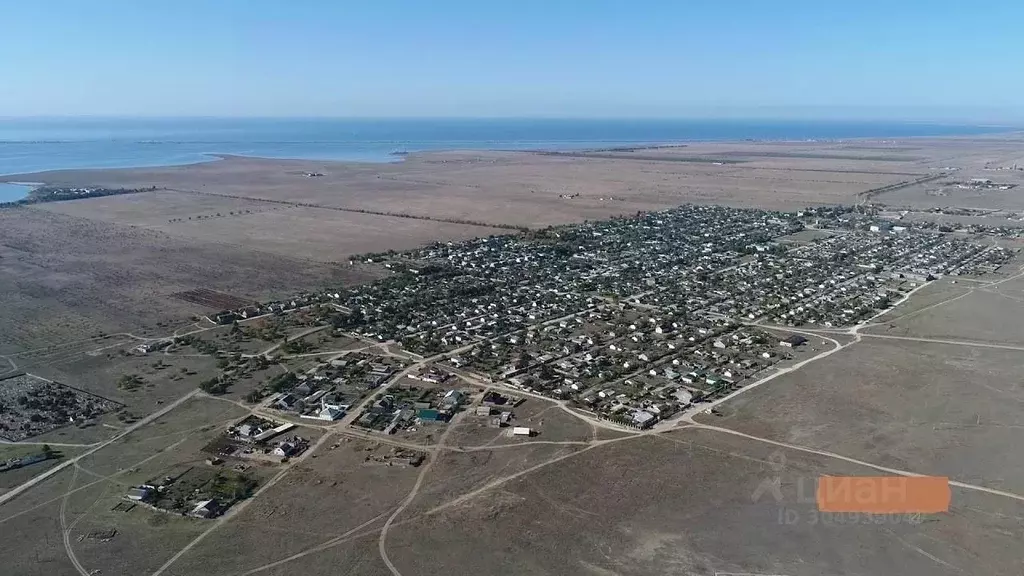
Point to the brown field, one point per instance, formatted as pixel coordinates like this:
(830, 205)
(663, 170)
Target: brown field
(929, 408)
(656, 506)
(80, 499)
(66, 278)
(968, 311)
(457, 473)
(211, 299)
(522, 188)
(318, 501)
(319, 234)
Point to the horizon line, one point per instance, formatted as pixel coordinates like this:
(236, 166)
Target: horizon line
(965, 122)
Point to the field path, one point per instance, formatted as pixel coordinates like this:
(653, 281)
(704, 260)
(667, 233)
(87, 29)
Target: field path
(885, 469)
(239, 507)
(382, 539)
(14, 492)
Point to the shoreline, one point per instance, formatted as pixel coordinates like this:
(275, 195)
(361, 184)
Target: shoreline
(555, 148)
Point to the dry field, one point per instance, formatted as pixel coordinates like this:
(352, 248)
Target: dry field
(930, 408)
(682, 504)
(319, 234)
(944, 193)
(316, 503)
(99, 374)
(527, 189)
(65, 278)
(81, 281)
(79, 500)
(549, 422)
(966, 311)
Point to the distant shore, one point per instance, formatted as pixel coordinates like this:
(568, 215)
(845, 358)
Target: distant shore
(147, 143)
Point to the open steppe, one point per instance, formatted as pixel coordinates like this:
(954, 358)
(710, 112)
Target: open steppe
(931, 387)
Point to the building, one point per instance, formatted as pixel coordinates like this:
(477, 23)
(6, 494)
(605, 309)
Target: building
(452, 399)
(206, 509)
(139, 493)
(643, 419)
(285, 449)
(522, 431)
(330, 413)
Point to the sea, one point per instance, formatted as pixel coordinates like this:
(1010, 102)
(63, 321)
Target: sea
(37, 144)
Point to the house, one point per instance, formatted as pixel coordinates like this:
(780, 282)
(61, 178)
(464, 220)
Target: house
(284, 449)
(684, 397)
(206, 509)
(643, 419)
(330, 413)
(452, 399)
(286, 402)
(522, 431)
(483, 410)
(139, 493)
(336, 401)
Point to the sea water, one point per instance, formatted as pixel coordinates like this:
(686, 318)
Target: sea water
(36, 144)
(12, 192)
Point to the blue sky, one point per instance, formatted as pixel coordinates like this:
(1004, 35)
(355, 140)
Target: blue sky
(907, 59)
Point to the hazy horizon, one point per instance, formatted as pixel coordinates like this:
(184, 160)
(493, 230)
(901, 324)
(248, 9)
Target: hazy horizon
(935, 121)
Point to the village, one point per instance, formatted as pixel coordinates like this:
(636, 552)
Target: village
(631, 320)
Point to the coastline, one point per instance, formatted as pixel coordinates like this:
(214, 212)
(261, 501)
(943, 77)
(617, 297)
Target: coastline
(365, 143)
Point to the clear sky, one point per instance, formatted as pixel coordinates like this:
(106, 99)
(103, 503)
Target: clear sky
(908, 59)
